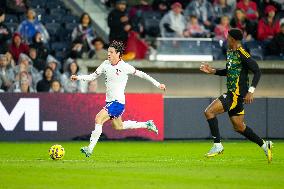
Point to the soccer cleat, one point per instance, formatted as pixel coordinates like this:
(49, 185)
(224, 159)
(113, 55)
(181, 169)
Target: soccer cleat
(152, 127)
(216, 149)
(85, 150)
(268, 150)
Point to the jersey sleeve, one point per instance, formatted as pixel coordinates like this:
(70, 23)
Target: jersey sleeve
(221, 72)
(251, 65)
(134, 71)
(130, 69)
(94, 75)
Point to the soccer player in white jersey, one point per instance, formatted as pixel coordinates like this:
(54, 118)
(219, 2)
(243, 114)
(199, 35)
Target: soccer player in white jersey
(116, 73)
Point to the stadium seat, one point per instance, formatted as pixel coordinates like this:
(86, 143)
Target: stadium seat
(11, 18)
(37, 4)
(12, 26)
(58, 12)
(70, 26)
(40, 11)
(256, 53)
(53, 5)
(70, 19)
(151, 20)
(60, 46)
(52, 28)
(280, 15)
(252, 45)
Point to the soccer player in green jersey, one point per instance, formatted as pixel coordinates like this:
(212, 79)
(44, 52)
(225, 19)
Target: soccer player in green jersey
(238, 64)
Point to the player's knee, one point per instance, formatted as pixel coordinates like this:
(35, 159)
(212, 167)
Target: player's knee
(239, 129)
(98, 120)
(208, 114)
(117, 127)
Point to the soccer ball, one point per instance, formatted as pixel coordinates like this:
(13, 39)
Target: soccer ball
(56, 152)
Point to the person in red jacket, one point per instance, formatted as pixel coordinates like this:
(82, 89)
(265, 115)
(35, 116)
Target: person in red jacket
(17, 47)
(268, 26)
(250, 8)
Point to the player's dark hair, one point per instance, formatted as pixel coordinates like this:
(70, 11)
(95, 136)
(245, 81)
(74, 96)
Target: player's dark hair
(118, 46)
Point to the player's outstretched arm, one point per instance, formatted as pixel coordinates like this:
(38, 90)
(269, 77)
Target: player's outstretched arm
(206, 68)
(90, 77)
(149, 78)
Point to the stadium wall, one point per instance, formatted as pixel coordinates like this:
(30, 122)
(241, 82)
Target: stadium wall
(45, 116)
(184, 118)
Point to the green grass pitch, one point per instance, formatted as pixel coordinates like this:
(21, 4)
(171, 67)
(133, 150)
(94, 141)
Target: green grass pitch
(157, 165)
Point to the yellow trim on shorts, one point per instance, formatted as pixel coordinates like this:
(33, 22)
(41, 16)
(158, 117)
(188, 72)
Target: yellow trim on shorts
(242, 112)
(237, 91)
(235, 101)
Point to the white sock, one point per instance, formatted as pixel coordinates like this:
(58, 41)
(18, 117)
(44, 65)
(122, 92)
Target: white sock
(264, 146)
(218, 144)
(133, 125)
(95, 136)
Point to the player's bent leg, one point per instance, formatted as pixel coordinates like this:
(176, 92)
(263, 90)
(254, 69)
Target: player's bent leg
(121, 125)
(117, 123)
(240, 127)
(101, 118)
(215, 108)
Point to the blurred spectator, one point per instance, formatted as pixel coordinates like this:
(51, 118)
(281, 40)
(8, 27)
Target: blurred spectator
(173, 23)
(160, 6)
(92, 86)
(7, 74)
(203, 10)
(17, 7)
(71, 68)
(276, 47)
(55, 87)
(39, 64)
(25, 64)
(24, 87)
(135, 15)
(101, 53)
(44, 84)
(30, 26)
(10, 59)
(250, 9)
(109, 3)
(268, 26)
(55, 65)
(82, 37)
(5, 33)
(264, 3)
(41, 48)
(194, 29)
(232, 3)
(118, 22)
(16, 87)
(240, 21)
(221, 30)
(18, 46)
(221, 8)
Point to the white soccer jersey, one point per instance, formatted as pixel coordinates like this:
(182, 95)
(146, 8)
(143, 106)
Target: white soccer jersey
(116, 77)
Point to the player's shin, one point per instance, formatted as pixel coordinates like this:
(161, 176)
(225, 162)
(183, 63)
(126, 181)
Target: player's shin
(213, 125)
(95, 136)
(133, 124)
(249, 134)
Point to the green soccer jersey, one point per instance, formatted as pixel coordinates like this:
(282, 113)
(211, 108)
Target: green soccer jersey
(239, 62)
